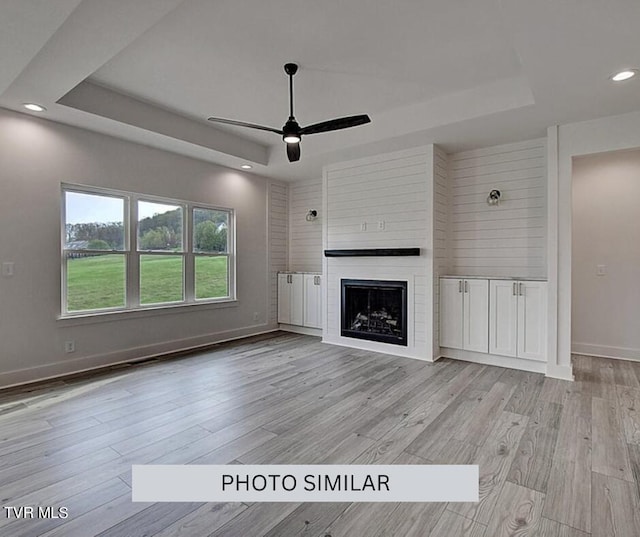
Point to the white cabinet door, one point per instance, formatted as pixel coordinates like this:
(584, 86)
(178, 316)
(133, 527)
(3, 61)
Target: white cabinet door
(532, 326)
(518, 312)
(312, 301)
(290, 299)
(284, 299)
(503, 317)
(451, 310)
(297, 299)
(476, 315)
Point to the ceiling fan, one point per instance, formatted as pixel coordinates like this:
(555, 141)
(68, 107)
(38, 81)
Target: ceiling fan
(292, 132)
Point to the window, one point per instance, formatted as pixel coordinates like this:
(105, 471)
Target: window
(160, 237)
(210, 233)
(124, 251)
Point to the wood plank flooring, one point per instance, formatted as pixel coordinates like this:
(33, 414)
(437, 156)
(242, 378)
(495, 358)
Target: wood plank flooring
(556, 458)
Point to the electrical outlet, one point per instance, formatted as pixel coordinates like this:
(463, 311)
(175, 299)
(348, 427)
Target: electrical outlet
(381, 225)
(8, 269)
(70, 346)
(363, 226)
(601, 270)
(256, 315)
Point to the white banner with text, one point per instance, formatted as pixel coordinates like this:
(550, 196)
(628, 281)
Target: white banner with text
(305, 483)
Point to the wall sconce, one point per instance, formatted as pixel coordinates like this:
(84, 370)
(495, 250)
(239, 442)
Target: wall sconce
(494, 197)
(311, 215)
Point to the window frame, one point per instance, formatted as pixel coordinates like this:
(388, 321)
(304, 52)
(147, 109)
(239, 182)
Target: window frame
(132, 252)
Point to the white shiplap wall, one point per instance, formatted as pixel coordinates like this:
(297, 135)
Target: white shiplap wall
(396, 189)
(504, 240)
(441, 212)
(393, 191)
(305, 238)
(278, 239)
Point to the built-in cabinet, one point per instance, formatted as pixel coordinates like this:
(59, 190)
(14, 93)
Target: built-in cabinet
(300, 299)
(501, 317)
(312, 317)
(291, 298)
(517, 322)
(464, 314)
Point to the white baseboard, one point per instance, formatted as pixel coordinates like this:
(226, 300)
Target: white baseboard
(603, 351)
(134, 354)
(494, 359)
(372, 346)
(561, 372)
(301, 329)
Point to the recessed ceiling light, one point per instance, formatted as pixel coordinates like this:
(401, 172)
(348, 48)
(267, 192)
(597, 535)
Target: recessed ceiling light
(34, 107)
(624, 75)
(246, 166)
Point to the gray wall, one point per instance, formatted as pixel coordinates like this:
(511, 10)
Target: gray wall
(606, 231)
(36, 156)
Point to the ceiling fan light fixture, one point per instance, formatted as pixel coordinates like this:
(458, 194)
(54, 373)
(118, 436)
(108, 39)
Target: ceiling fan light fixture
(292, 132)
(624, 75)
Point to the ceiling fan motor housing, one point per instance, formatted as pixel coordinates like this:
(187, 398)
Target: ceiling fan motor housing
(291, 128)
(291, 68)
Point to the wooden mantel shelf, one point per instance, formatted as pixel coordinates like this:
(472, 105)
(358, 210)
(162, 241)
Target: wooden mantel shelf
(373, 252)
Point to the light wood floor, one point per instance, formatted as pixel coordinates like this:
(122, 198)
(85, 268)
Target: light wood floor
(557, 459)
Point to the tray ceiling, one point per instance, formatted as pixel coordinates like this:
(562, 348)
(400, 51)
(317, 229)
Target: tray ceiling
(461, 73)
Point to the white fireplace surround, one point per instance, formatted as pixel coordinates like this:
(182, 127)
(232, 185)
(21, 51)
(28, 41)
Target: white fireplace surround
(416, 345)
(381, 202)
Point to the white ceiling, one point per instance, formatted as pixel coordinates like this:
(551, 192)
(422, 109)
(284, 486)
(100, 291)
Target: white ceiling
(462, 73)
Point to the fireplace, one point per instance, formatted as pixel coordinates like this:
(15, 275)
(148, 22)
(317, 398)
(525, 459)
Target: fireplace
(375, 310)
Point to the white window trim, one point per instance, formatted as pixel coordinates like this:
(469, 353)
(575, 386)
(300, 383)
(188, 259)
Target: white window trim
(132, 255)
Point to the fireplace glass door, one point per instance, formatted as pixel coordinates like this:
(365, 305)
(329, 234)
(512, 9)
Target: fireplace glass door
(375, 310)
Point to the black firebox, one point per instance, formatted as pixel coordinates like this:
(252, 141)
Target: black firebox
(375, 310)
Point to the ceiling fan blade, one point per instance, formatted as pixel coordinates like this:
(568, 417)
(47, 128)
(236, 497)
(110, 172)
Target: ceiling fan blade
(293, 152)
(243, 124)
(336, 124)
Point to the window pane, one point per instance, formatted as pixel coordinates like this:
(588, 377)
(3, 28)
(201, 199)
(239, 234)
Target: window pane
(212, 276)
(161, 278)
(95, 281)
(210, 231)
(93, 222)
(159, 227)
